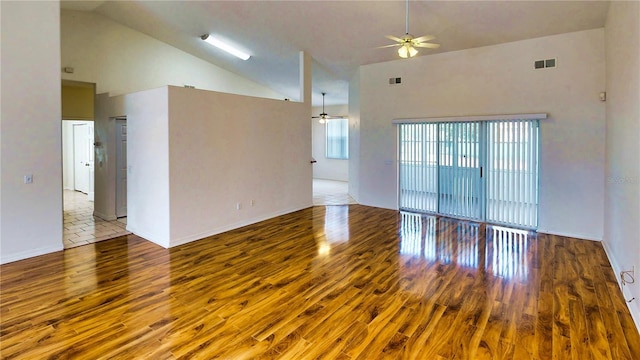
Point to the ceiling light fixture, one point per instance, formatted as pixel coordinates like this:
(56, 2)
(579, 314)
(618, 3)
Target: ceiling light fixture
(324, 117)
(407, 43)
(226, 47)
(407, 51)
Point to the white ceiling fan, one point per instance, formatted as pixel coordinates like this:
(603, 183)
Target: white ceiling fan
(408, 43)
(324, 116)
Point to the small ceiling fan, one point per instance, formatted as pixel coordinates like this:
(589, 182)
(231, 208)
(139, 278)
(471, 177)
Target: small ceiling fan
(408, 43)
(324, 116)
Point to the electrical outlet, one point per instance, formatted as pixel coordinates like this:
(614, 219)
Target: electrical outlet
(239, 206)
(628, 276)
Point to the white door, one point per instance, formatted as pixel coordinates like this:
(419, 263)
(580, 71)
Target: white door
(121, 167)
(81, 159)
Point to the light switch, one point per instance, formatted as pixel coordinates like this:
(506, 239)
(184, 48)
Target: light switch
(28, 179)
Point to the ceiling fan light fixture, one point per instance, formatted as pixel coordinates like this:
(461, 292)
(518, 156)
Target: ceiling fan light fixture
(408, 43)
(412, 51)
(402, 51)
(225, 47)
(407, 51)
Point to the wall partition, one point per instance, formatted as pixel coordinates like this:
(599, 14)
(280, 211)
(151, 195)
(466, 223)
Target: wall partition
(479, 168)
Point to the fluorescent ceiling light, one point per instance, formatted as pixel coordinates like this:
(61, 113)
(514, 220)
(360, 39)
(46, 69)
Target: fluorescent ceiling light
(226, 47)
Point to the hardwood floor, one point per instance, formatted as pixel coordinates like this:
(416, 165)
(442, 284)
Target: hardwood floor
(341, 282)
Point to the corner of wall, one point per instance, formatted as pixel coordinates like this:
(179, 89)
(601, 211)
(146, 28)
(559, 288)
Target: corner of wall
(634, 307)
(622, 152)
(354, 136)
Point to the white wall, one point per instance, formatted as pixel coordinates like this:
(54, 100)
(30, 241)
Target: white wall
(226, 149)
(193, 155)
(31, 215)
(121, 60)
(330, 169)
(500, 79)
(622, 207)
(148, 197)
(354, 136)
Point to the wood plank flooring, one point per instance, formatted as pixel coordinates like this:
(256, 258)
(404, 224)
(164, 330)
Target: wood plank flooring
(336, 282)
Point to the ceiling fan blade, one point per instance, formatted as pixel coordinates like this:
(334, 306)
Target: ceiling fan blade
(336, 117)
(424, 38)
(315, 117)
(391, 37)
(427, 45)
(388, 46)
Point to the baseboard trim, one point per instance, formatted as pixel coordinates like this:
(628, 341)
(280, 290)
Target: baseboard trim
(571, 235)
(195, 237)
(635, 313)
(104, 216)
(154, 238)
(30, 253)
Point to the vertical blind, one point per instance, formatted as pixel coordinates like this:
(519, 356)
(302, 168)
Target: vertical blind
(512, 172)
(418, 167)
(337, 131)
(481, 170)
(459, 169)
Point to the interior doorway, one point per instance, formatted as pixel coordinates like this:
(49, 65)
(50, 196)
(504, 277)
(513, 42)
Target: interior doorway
(330, 150)
(81, 227)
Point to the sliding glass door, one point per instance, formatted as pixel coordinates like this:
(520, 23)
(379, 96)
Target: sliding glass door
(419, 167)
(512, 172)
(481, 170)
(459, 190)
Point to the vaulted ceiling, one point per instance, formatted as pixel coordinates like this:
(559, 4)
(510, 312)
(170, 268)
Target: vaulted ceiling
(339, 35)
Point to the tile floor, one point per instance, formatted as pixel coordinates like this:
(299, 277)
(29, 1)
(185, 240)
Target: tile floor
(81, 227)
(330, 192)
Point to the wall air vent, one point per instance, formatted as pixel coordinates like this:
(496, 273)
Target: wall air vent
(541, 64)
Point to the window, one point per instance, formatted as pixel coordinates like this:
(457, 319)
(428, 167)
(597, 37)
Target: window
(337, 139)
